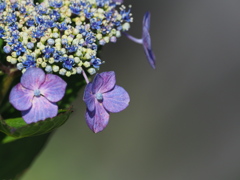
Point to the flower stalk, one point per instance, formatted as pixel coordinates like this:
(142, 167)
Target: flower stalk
(7, 83)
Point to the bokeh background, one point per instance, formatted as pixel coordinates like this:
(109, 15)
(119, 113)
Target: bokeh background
(183, 122)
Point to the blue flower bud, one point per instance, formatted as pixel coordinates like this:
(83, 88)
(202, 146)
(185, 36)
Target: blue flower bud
(30, 45)
(50, 41)
(7, 49)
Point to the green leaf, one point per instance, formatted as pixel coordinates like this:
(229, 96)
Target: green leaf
(8, 139)
(17, 156)
(18, 128)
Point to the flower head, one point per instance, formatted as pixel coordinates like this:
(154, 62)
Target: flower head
(103, 96)
(74, 30)
(64, 37)
(36, 95)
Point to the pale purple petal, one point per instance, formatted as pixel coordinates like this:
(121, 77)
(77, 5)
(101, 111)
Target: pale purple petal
(146, 40)
(21, 98)
(151, 57)
(147, 48)
(89, 98)
(40, 110)
(146, 20)
(33, 78)
(109, 81)
(98, 119)
(53, 88)
(116, 100)
(97, 83)
(120, 1)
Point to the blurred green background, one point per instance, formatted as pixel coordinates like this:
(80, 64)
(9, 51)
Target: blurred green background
(183, 119)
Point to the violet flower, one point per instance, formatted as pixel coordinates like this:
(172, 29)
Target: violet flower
(36, 95)
(145, 40)
(102, 97)
(120, 1)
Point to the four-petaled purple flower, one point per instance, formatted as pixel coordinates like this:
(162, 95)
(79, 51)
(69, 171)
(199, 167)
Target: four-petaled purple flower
(145, 40)
(36, 95)
(102, 97)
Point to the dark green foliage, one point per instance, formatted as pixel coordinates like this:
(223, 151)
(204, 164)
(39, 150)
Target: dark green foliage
(17, 156)
(17, 127)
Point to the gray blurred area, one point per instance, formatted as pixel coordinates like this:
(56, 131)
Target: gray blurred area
(183, 122)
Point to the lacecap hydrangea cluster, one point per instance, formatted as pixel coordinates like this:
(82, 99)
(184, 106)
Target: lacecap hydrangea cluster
(60, 36)
(63, 37)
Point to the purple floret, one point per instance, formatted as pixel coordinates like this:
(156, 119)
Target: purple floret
(36, 95)
(145, 40)
(120, 1)
(103, 96)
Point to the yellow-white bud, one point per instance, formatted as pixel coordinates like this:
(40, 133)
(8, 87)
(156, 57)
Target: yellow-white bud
(44, 64)
(51, 60)
(68, 73)
(55, 68)
(86, 64)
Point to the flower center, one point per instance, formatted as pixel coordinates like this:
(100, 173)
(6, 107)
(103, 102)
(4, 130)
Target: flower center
(99, 96)
(37, 92)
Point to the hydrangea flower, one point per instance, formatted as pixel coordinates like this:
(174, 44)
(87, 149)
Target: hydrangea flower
(36, 95)
(102, 97)
(75, 30)
(145, 40)
(64, 37)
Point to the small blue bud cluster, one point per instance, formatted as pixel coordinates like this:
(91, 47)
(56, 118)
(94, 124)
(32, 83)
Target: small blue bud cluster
(60, 36)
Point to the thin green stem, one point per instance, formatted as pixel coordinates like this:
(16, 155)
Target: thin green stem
(7, 82)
